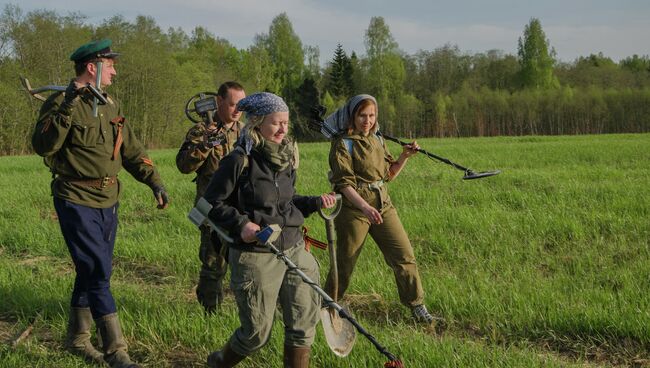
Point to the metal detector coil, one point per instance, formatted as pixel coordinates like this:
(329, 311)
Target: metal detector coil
(201, 107)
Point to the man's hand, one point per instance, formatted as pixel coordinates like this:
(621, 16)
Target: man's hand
(161, 197)
(71, 96)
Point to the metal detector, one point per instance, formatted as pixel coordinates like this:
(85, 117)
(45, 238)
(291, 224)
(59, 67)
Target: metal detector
(469, 173)
(339, 333)
(36, 92)
(204, 107)
(199, 216)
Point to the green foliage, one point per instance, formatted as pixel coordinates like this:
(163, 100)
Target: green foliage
(385, 74)
(483, 93)
(285, 51)
(535, 59)
(340, 82)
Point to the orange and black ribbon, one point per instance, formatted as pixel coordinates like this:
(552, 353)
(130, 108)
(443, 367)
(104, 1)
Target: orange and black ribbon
(309, 241)
(119, 121)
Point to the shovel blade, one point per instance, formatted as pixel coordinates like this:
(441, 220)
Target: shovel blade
(339, 332)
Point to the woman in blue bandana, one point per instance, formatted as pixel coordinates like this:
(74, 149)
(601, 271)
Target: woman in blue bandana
(255, 187)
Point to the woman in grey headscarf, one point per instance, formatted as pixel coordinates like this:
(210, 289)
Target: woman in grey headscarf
(361, 165)
(255, 187)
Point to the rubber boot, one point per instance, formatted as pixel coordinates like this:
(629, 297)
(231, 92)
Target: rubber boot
(77, 340)
(296, 356)
(114, 345)
(224, 358)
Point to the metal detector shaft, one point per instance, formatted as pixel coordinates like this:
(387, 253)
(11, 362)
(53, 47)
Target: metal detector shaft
(35, 92)
(330, 302)
(98, 85)
(469, 173)
(199, 216)
(393, 139)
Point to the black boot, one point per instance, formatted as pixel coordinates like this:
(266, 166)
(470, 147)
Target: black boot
(77, 340)
(114, 345)
(224, 358)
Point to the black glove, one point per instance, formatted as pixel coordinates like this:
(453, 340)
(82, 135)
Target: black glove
(71, 96)
(318, 112)
(161, 196)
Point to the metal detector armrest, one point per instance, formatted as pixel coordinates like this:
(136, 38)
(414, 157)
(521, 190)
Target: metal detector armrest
(199, 216)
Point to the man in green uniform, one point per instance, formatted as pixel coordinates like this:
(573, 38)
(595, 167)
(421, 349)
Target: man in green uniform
(85, 144)
(204, 146)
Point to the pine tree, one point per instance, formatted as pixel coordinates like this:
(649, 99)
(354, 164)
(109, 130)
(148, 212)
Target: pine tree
(340, 74)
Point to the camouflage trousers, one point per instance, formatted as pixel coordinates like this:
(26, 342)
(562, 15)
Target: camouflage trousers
(209, 291)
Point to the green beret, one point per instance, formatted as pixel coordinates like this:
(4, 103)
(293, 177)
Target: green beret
(94, 50)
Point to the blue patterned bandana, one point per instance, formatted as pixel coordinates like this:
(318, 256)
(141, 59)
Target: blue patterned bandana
(263, 103)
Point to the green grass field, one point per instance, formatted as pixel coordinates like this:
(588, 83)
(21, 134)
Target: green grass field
(545, 265)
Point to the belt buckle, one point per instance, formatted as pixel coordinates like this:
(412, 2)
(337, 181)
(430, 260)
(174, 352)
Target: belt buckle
(105, 181)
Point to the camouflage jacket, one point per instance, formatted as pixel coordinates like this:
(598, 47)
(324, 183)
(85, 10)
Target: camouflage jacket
(197, 156)
(80, 148)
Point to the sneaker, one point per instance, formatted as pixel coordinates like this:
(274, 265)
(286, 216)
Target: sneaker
(421, 314)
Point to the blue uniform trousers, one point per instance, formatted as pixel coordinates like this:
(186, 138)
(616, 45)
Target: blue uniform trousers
(90, 236)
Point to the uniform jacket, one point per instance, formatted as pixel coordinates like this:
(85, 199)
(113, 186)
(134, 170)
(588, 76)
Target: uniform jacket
(80, 146)
(357, 161)
(245, 189)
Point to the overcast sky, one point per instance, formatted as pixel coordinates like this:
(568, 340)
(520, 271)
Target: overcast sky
(617, 28)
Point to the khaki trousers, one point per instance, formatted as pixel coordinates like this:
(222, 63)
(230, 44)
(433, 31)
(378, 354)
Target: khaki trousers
(352, 228)
(259, 281)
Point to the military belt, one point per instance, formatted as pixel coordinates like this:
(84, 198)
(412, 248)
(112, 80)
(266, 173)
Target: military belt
(96, 183)
(375, 185)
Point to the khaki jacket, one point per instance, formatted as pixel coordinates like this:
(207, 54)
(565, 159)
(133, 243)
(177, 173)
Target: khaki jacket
(358, 161)
(81, 148)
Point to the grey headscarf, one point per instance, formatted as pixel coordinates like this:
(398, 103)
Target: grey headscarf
(338, 122)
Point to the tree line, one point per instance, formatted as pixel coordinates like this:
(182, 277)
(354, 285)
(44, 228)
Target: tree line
(440, 92)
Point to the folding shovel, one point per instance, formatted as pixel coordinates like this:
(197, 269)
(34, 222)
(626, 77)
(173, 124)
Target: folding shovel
(339, 332)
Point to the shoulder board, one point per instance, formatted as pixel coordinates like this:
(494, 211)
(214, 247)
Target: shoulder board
(348, 144)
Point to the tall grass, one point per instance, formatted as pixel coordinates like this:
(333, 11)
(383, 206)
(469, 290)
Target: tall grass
(544, 265)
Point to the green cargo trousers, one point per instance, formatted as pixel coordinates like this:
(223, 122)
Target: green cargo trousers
(352, 228)
(259, 281)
